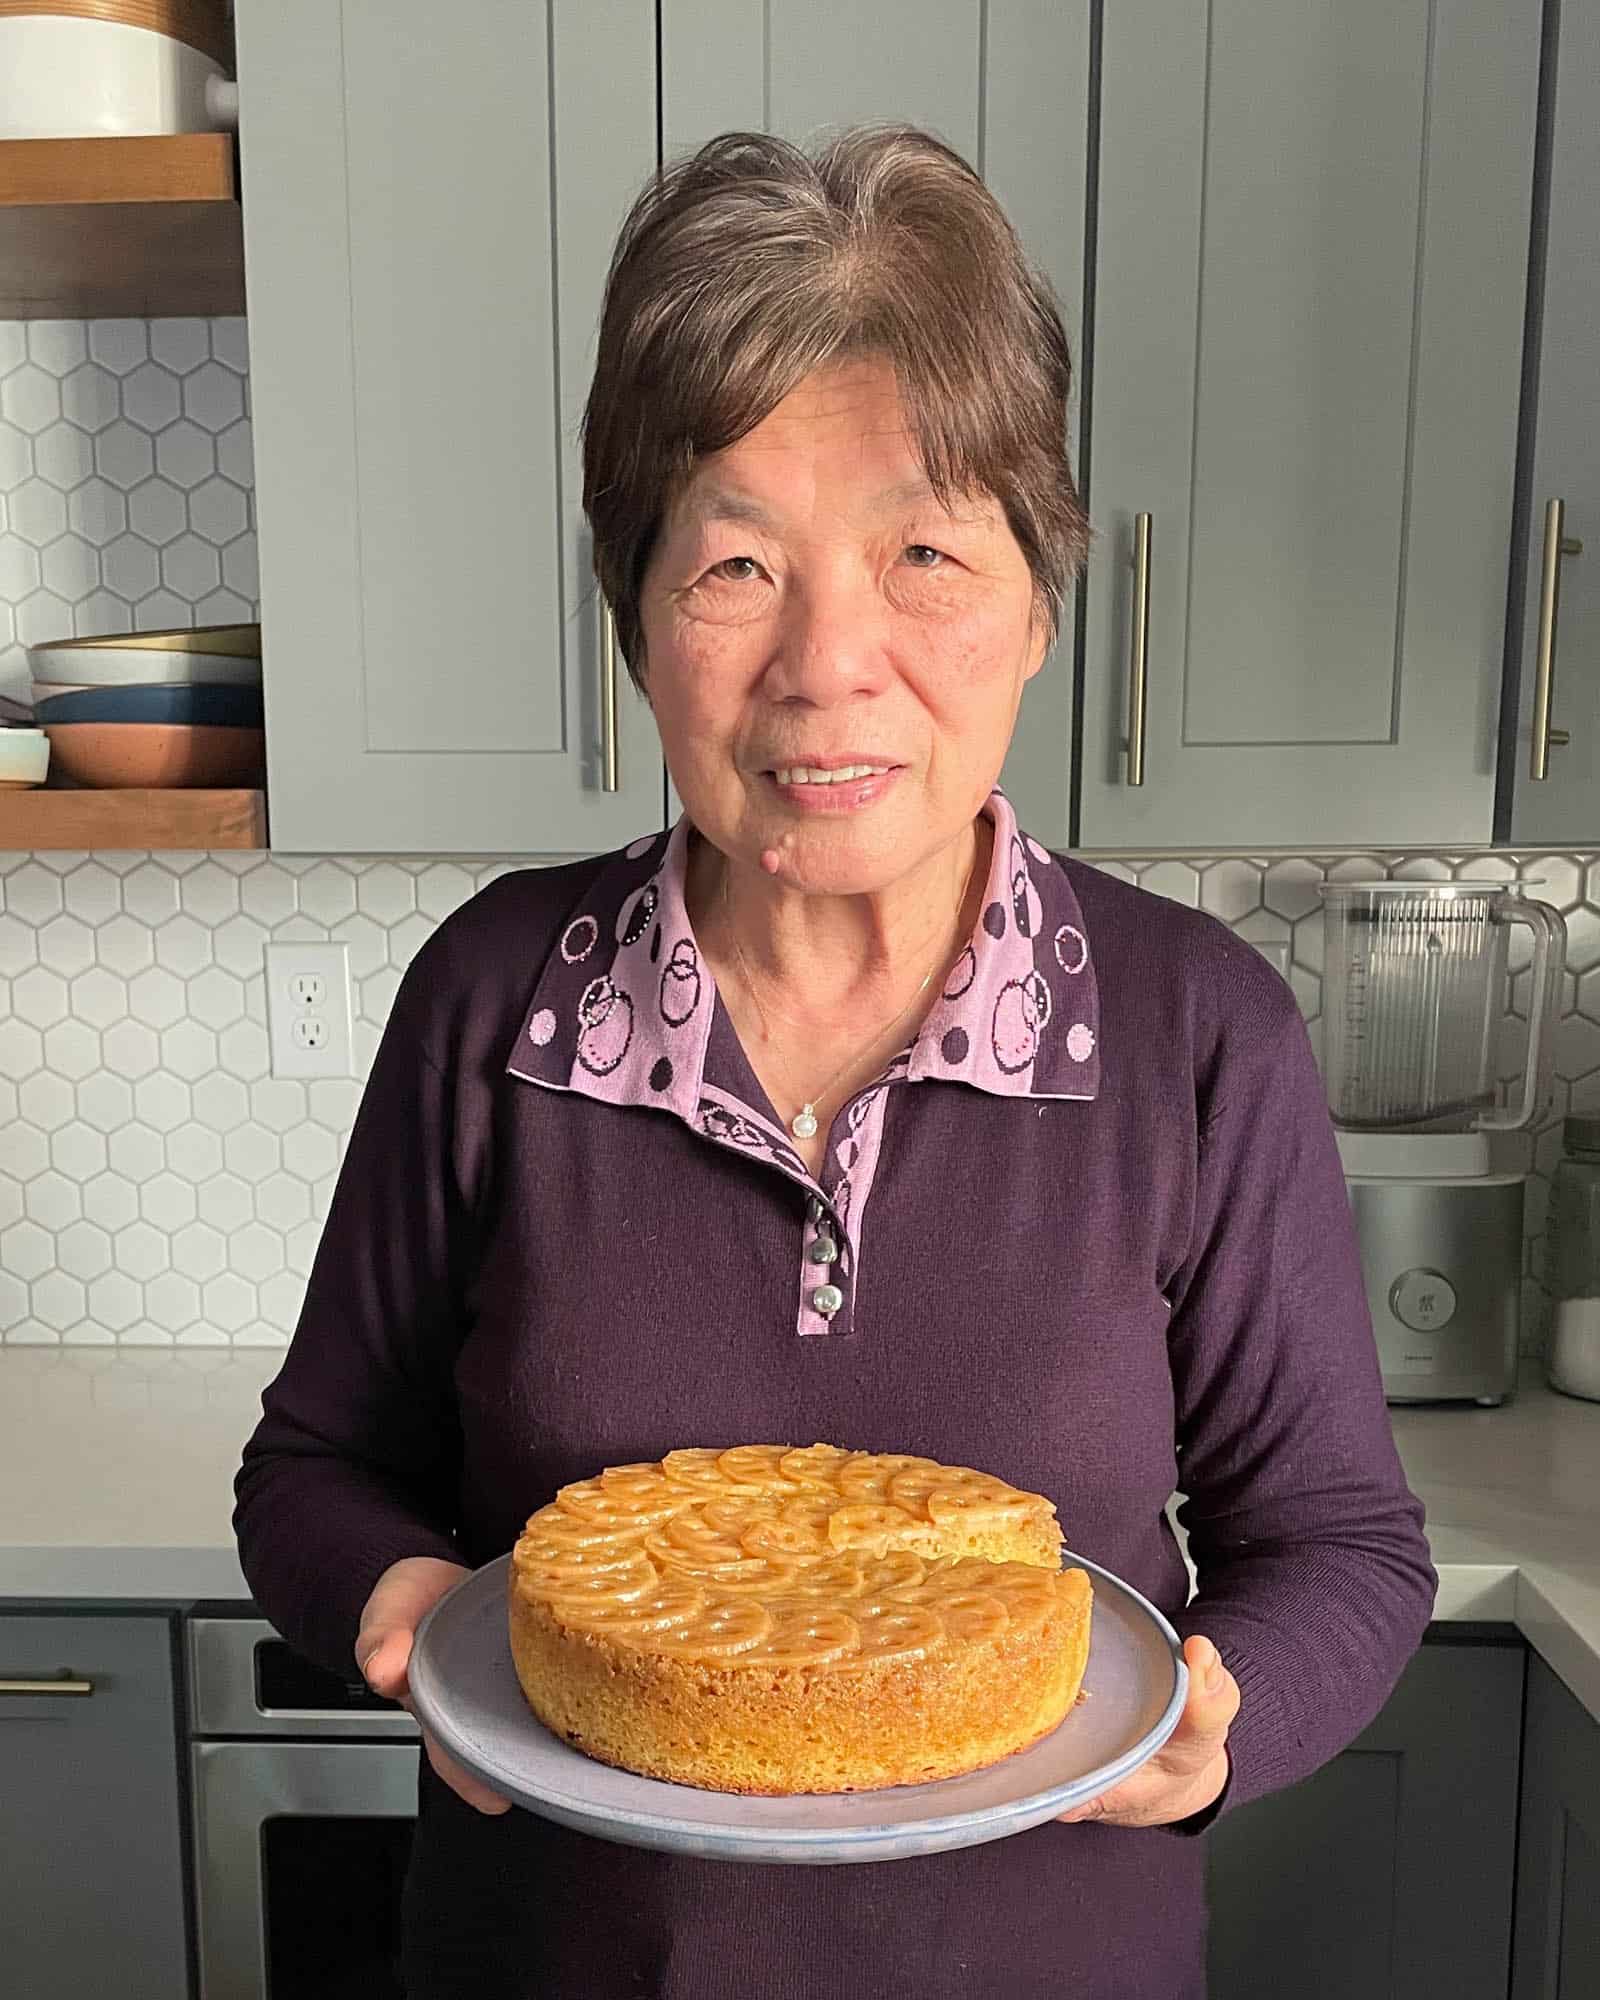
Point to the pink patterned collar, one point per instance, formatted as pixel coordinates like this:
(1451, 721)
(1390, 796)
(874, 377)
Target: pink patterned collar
(625, 1009)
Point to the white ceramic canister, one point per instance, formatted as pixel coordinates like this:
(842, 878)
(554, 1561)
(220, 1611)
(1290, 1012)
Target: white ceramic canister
(1573, 1362)
(65, 76)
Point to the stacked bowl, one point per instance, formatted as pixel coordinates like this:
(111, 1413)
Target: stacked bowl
(158, 709)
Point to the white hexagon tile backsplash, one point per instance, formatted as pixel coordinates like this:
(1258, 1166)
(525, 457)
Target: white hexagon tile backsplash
(126, 480)
(158, 1185)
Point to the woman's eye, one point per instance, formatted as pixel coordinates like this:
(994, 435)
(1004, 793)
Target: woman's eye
(922, 549)
(722, 570)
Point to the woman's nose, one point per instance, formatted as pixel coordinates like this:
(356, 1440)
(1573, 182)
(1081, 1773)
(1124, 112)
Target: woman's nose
(832, 647)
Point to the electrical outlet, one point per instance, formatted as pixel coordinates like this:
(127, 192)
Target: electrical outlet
(308, 1009)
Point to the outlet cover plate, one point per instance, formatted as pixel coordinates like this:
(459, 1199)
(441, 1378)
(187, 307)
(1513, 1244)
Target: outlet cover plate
(288, 963)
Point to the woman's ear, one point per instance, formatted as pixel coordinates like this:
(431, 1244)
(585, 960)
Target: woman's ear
(1038, 642)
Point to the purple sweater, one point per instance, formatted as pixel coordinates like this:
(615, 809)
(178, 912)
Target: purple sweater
(1092, 1236)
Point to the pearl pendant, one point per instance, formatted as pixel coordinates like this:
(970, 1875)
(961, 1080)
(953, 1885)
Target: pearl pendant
(804, 1123)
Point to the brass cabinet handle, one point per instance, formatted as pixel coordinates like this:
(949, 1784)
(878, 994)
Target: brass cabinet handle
(610, 779)
(1556, 545)
(66, 1685)
(1139, 649)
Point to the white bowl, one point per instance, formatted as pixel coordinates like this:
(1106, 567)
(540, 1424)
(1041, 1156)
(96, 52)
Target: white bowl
(56, 668)
(24, 758)
(66, 78)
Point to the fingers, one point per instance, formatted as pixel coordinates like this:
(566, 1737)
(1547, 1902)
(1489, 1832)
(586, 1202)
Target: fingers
(462, 1783)
(1191, 1767)
(383, 1658)
(383, 1653)
(1209, 1710)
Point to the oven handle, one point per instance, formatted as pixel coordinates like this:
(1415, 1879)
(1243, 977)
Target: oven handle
(222, 1683)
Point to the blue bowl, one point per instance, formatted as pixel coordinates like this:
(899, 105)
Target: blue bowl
(202, 702)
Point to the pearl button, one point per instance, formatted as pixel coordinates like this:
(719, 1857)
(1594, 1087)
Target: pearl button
(827, 1299)
(823, 1250)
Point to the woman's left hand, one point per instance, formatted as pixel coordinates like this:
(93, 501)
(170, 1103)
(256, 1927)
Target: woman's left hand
(1191, 1767)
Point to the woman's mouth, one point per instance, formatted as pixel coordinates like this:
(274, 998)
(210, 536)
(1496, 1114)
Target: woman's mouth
(833, 787)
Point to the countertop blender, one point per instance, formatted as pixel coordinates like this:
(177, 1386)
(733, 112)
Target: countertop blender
(1414, 992)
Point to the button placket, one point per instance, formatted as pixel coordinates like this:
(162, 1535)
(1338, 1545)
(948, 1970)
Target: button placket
(822, 1298)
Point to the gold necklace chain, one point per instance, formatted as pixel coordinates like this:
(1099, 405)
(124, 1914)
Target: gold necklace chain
(804, 1122)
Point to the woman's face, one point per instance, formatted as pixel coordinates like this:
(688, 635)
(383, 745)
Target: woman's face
(810, 608)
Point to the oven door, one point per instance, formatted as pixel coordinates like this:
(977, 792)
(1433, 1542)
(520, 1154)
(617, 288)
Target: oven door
(301, 1851)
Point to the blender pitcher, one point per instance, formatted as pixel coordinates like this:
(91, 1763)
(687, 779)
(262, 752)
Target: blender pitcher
(1414, 988)
(1414, 991)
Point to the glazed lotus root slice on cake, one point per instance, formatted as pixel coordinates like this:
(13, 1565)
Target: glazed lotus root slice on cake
(773, 1619)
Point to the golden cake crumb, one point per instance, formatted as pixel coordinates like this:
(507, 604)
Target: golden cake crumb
(768, 1619)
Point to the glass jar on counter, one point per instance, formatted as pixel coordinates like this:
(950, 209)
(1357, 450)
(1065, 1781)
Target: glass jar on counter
(1573, 1266)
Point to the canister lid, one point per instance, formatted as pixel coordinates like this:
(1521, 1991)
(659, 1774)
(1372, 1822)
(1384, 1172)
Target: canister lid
(1581, 1134)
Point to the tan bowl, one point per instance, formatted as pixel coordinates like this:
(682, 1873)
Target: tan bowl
(241, 642)
(115, 755)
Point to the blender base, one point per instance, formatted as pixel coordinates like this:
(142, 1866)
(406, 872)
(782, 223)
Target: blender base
(1442, 1260)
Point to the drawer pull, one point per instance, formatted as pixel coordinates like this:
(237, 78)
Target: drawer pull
(65, 1684)
(1139, 648)
(1556, 545)
(610, 779)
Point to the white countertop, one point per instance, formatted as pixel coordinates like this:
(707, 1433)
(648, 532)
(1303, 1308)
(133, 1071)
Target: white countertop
(117, 1464)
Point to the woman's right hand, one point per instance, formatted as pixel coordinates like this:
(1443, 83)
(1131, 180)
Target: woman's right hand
(400, 1599)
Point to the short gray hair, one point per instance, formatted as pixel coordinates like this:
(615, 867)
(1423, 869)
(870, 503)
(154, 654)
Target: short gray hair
(744, 267)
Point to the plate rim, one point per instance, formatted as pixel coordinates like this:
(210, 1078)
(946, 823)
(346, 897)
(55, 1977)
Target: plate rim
(596, 1814)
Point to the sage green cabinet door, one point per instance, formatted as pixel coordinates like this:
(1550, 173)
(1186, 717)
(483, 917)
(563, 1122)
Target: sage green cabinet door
(1309, 295)
(1006, 83)
(1563, 809)
(430, 199)
(91, 1894)
(1556, 1953)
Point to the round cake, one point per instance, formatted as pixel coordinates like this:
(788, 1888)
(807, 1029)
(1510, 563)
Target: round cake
(768, 1619)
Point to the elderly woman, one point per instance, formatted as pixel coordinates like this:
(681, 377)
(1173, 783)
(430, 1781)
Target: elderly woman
(845, 1111)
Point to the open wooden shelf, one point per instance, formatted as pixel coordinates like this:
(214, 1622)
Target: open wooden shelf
(164, 820)
(120, 228)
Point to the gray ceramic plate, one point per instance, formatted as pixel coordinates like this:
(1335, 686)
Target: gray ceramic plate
(465, 1692)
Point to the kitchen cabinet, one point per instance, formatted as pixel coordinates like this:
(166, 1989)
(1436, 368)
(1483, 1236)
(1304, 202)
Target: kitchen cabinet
(1388, 1873)
(1005, 82)
(92, 1893)
(1557, 1944)
(430, 200)
(1561, 557)
(1309, 291)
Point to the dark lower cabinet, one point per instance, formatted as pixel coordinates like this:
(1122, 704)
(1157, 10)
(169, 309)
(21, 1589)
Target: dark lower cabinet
(1558, 1854)
(92, 1880)
(1388, 1874)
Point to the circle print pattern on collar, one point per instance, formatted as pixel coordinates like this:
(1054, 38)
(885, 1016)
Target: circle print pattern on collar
(1026, 909)
(605, 1018)
(1014, 1032)
(636, 915)
(1080, 1041)
(680, 984)
(1072, 949)
(962, 973)
(717, 1121)
(578, 939)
